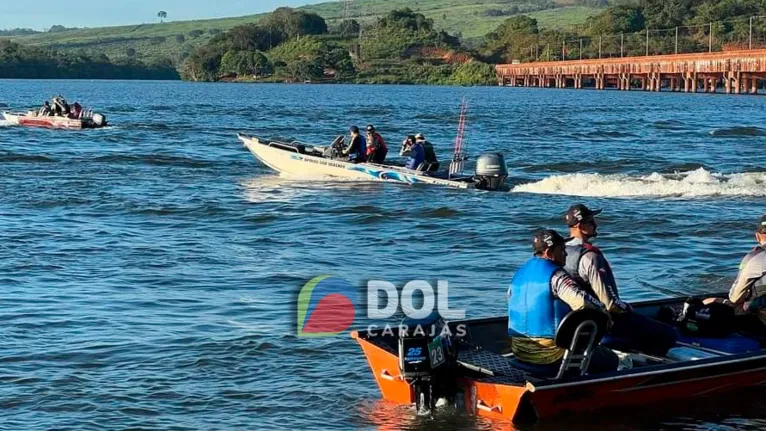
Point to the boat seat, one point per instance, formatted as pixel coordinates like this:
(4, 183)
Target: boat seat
(579, 333)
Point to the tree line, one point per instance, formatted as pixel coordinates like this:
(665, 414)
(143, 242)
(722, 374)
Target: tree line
(621, 29)
(25, 62)
(294, 45)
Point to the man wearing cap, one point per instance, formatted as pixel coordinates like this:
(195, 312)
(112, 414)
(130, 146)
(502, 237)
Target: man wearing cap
(376, 146)
(589, 267)
(748, 293)
(541, 294)
(431, 160)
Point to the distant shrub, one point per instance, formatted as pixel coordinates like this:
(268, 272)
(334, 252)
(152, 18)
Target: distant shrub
(157, 40)
(214, 31)
(180, 38)
(130, 52)
(196, 33)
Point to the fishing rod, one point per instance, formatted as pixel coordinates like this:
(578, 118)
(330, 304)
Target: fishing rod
(458, 158)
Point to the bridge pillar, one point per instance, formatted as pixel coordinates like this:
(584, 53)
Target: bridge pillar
(727, 84)
(754, 85)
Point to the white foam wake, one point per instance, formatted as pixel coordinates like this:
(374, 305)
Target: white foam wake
(698, 183)
(4, 123)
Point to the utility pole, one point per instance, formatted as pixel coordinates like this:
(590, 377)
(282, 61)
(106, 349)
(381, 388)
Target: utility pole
(751, 32)
(676, 40)
(711, 38)
(580, 48)
(564, 50)
(622, 45)
(647, 42)
(600, 39)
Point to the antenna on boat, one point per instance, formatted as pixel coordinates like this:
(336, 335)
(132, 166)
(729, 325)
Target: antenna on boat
(459, 158)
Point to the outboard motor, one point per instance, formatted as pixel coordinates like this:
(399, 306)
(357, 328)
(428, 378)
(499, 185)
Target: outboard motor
(427, 360)
(491, 171)
(99, 120)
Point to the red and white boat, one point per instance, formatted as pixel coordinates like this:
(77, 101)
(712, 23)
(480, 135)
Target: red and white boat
(31, 119)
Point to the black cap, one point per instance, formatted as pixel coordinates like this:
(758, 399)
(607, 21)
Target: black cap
(546, 239)
(354, 129)
(370, 128)
(578, 213)
(762, 225)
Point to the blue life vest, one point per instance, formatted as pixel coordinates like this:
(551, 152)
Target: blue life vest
(533, 311)
(420, 156)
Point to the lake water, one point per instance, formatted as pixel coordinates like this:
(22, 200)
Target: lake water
(149, 271)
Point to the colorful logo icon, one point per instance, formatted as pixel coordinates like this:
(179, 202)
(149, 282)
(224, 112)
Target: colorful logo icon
(326, 307)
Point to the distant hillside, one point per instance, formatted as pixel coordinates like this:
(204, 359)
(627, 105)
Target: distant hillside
(471, 19)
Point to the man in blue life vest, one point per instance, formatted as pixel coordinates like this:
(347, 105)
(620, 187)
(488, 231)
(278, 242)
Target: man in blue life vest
(414, 151)
(589, 267)
(542, 293)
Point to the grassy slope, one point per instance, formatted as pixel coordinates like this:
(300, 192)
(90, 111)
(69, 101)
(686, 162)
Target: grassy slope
(466, 17)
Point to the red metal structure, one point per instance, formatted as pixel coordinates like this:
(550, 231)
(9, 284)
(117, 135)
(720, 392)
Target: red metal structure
(737, 72)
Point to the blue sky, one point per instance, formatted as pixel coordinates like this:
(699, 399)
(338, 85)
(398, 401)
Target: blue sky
(97, 13)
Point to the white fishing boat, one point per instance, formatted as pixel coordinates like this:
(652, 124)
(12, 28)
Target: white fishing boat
(297, 158)
(31, 119)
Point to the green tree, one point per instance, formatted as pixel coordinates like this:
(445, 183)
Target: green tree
(511, 40)
(162, 15)
(474, 73)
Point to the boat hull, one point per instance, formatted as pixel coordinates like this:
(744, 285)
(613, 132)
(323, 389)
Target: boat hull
(514, 396)
(48, 122)
(295, 163)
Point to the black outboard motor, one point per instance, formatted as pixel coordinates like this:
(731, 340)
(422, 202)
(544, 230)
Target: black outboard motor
(427, 360)
(491, 172)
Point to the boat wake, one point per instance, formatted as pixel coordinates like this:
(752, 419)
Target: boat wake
(4, 123)
(697, 183)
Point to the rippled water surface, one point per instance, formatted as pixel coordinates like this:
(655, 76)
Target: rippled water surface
(150, 270)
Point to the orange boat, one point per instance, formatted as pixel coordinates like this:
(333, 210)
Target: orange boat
(487, 382)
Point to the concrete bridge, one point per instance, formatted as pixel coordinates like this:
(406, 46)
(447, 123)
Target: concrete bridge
(736, 72)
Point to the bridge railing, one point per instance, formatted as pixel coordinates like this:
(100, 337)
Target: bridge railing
(731, 35)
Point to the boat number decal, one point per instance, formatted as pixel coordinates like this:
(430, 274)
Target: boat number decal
(436, 352)
(415, 351)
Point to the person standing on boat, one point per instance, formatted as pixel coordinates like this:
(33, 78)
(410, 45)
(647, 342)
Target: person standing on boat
(431, 160)
(589, 267)
(414, 151)
(748, 293)
(376, 146)
(541, 294)
(356, 150)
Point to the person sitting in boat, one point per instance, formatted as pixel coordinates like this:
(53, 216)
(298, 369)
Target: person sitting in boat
(76, 111)
(414, 151)
(356, 150)
(589, 267)
(748, 293)
(431, 161)
(376, 146)
(45, 110)
(542, 293)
